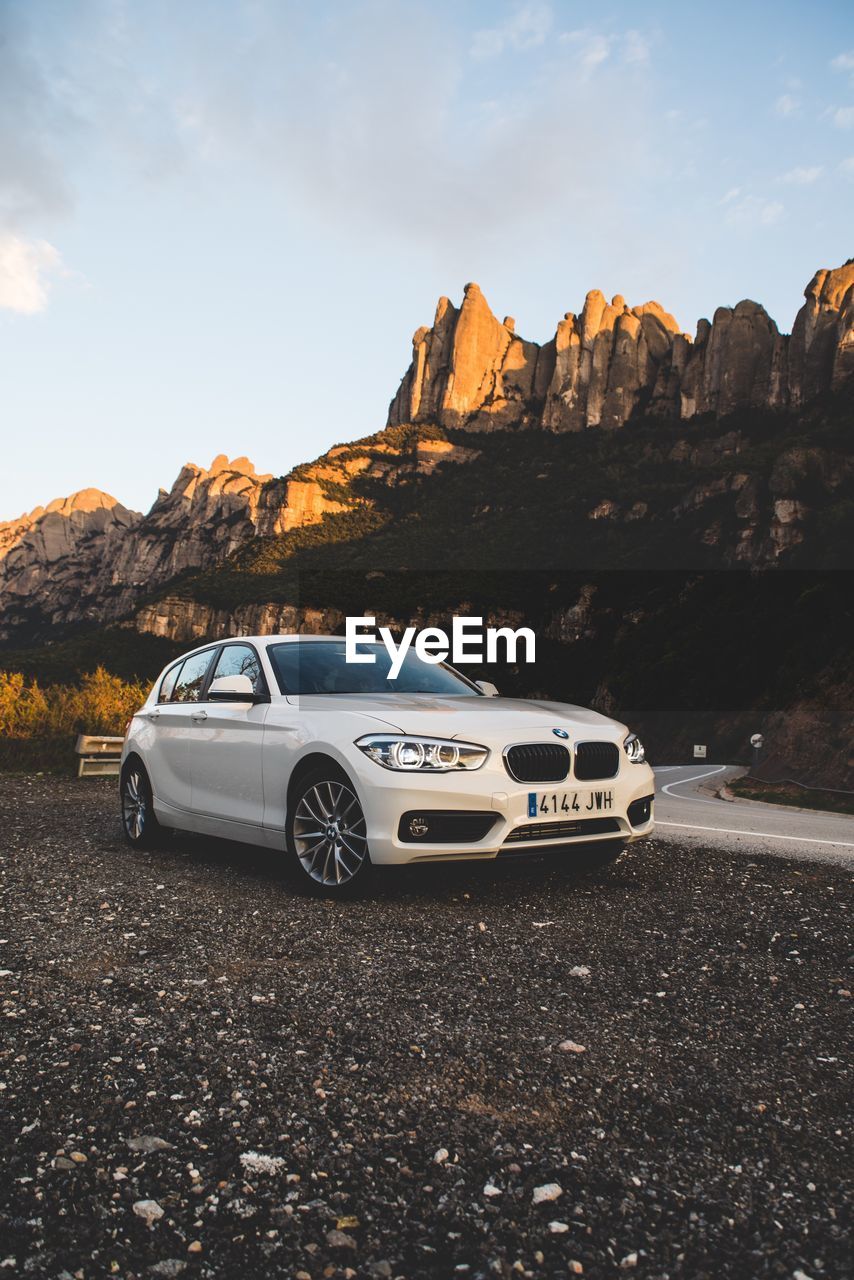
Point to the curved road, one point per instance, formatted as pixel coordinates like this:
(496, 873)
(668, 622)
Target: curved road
(686, 808)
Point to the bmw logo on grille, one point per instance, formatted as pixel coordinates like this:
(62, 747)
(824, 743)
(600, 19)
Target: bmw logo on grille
(560, 733)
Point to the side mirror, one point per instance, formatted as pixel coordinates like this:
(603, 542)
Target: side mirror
(238, 689)
(488, 688)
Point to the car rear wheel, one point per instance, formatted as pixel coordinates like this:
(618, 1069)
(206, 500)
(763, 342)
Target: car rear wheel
(327, 832)
(139, 823)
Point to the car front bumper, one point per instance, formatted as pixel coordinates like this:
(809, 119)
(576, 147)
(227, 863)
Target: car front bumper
(387, 796)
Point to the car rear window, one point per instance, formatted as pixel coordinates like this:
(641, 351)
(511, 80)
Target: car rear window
(167, 684)
(188, 686)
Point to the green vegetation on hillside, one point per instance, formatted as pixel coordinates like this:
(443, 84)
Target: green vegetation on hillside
(634, 613)
(525, 503)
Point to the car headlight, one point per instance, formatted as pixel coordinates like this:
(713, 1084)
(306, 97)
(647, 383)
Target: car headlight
(634, 749)
(411, 755)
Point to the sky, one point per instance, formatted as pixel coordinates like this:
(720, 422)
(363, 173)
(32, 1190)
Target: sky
(222, 220)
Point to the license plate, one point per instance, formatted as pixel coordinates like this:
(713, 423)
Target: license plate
(562, 804)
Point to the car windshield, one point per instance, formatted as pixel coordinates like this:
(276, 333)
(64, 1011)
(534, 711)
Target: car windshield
(321, 667)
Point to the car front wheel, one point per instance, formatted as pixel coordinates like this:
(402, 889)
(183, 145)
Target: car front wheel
(327, 832)
(139, 823)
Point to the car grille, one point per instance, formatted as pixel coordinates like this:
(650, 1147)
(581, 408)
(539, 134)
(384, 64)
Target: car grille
(595, 760)
(537, 762)
(562, 830)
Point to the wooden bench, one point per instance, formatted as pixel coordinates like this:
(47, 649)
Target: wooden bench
(100, 756)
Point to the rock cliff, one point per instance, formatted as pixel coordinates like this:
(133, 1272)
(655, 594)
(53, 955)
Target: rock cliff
(59, 551)
(88, 557)
(611, 362)
(46, 534)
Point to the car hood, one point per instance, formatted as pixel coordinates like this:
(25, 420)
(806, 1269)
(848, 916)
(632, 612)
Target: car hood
(486, 720)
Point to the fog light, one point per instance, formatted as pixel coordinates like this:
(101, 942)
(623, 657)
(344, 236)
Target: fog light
(418, 827)
(639, 812)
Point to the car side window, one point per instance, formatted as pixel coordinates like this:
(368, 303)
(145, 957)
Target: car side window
(240, 660)
(188, 686)
(167, 684)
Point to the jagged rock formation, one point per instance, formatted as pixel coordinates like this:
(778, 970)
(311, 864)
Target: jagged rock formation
(821, 352)
(89, 557)
(176, 618)
(469, 370)
(613, 362)
(193, 621)
(57, 551)
(46, 534)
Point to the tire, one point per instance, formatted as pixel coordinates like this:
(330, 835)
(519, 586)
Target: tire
(326, 833)
(139, 822)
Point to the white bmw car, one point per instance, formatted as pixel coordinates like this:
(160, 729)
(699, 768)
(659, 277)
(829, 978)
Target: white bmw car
(279, 741)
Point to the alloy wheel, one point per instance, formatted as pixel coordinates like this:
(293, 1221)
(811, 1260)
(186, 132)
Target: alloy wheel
(134, 804)
(329, 833)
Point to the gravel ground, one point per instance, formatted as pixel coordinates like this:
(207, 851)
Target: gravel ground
(486, 1071)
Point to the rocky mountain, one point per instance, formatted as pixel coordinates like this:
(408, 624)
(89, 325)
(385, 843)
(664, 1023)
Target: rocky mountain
(48, 556)
(622, 546)
(738, 456)
(87, 558)
(613, 363)
(49, 534)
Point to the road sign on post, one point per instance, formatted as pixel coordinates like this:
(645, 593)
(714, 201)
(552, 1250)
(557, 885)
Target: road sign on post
(756, 741)
(699, 751)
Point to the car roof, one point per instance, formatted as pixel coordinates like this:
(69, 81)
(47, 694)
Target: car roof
(278, 638)
(260, 642)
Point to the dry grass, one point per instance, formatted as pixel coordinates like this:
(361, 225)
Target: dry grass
(792, 793)
(38, 723)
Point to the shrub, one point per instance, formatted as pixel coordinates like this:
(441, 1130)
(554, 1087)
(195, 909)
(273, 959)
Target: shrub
(100, 703)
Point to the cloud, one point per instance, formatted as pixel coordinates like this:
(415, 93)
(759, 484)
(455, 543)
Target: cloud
(39, 125)
(597, 49)
(752, 212)
(802, 177)
(33, 182)
(386, 130)
(26, 267)
(526, 27)
(375, 123)
(636, 47)
(847, 165)
(730, 195)
(843, 61)
(592, 49)
(843, 117)
(787, 105)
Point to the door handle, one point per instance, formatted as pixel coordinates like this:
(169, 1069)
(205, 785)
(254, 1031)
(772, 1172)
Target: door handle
(199, 716)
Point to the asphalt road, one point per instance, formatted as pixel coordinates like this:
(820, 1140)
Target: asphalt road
(687, 810)
(508, 1069)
